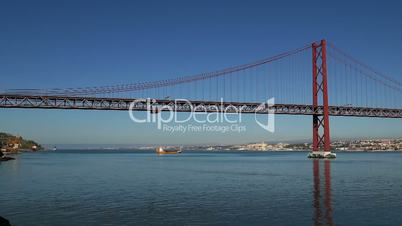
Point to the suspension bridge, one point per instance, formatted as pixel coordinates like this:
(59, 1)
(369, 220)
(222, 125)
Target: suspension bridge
(317, 79)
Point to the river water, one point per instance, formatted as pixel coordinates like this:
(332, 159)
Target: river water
(199, 188)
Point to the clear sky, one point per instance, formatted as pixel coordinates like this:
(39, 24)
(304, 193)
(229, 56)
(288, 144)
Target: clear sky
(46, 44)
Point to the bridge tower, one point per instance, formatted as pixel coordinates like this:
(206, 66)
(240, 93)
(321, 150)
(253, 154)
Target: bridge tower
(321, 138)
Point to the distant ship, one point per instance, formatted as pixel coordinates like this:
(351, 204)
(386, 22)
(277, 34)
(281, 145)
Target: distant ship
(54, 148)
(161, 151)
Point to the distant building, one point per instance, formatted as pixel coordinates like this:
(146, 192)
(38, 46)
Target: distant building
(258, 146)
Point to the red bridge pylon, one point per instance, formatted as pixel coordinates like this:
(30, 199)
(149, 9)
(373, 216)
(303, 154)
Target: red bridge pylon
(321, 138)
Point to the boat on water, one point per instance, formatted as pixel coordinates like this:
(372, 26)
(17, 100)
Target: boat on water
(4, 157)
(161, 150)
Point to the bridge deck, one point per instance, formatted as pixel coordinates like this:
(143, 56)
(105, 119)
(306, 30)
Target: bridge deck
(100, 103)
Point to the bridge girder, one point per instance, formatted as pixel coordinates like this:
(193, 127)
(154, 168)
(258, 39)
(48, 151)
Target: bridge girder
(123, 104)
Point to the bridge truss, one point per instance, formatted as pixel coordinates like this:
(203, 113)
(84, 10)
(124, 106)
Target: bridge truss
(99, 103)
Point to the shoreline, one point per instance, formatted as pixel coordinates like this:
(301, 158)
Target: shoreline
(117, 150)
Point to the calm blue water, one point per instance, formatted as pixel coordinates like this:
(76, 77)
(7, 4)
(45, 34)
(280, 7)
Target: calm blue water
(96, 188)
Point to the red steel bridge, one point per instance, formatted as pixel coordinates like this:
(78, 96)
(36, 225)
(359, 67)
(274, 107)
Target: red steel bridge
(318, 79)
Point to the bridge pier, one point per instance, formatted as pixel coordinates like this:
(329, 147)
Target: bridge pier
(321, 155)
(321, 139)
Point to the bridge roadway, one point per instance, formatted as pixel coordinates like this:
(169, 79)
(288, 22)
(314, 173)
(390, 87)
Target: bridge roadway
(102, 103)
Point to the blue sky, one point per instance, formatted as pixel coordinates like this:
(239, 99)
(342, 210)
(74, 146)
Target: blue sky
(46, 44)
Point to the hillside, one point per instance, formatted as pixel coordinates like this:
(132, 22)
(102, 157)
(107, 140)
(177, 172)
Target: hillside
(12, 143)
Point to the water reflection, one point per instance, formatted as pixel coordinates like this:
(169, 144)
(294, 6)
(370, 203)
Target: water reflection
(322, 202)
